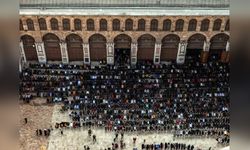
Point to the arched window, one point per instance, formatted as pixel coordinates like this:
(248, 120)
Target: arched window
(179, 25)
(29, 47)
(66, 24)
(167, 25)
(217, 46)
(154, 25)
(141, 25)
(90, 25)
(103, 25)
(78, 24)
(116, 25)
(196, 42)
(122, 41)
(52, 47)
(129, 25)
(169, 47)
(74, 47)
(20, 25)
(42, 24)
(146, 45)
(227, 27)
(192, 25)
(195, 46)
(30, 24)
(219, 42)
(217, 25)
(54, 24)
(205, 25)
(97, 47)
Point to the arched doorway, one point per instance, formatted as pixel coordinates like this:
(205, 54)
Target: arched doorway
(195, 47)
(146, 45)
(218, 47)
(169, 47)
(29, 48)
(122, 49)
(52, 47)
(74, 46)
(97, 46)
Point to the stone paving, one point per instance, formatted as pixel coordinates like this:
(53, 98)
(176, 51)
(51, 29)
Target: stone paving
(75, 139)
(39, 117)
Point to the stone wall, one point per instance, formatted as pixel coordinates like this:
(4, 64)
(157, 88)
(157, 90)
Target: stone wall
(110, 35)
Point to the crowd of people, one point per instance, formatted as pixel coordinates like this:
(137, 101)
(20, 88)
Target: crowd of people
(44, 132)
(191, 99)
(167, 146)
(223, 139)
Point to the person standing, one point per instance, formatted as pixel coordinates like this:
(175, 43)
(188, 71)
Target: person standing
(48, 132)
(94, 138)
(40, 132)
(122, 134)
(45, 132)
(61, 131)
(25, 120)
(89, 132)
(37, 133)
(134, 140)
(116, 136)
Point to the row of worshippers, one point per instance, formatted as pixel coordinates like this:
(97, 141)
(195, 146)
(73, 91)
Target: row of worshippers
(167, 146)
(44, 132)
(200, 132)
(26, 97)
(161, 146)
(145, 97)
(224, 139)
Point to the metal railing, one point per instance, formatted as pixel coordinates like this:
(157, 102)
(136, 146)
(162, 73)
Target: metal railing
(122, 3)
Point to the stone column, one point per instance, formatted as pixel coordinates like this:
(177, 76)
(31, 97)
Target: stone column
(86, 54)
(157, 53)
(134, 49)
(23, 57)
(228, 46)
(180, 59)
(41, 55)
(225, 54)
(110, 53)
(64, 52)
(205, 52)
(25, 27)
(72, 24)
(48, 23)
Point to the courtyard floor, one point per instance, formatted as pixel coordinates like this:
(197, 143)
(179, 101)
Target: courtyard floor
(41, 116)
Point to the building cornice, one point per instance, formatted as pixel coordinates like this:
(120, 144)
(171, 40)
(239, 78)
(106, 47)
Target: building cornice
(126, 12)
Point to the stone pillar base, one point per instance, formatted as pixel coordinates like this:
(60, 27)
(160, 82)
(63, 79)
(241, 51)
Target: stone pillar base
(180, 59)
(133, 53)
(65, 60)
(157, 60)
(41, 52)
(86, 54)
(110, 53)
(64, 53)
(157, 53)
(133, 60)
(110, 60)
